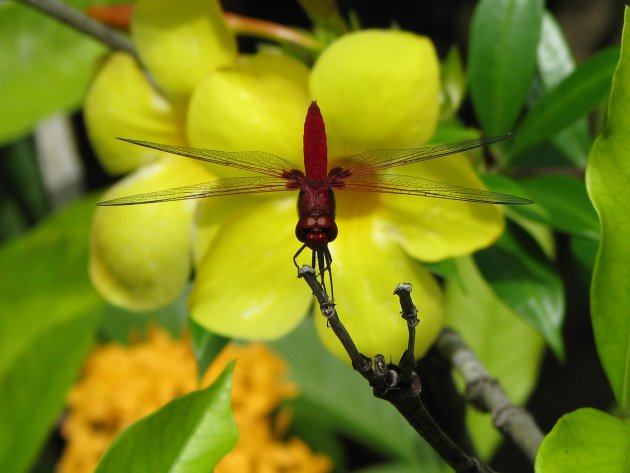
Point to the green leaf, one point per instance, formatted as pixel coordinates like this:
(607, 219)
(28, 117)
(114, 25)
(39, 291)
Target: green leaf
(124, 326)
(574, 97)
(205, 344)
(509, 348)
(554, 58)
(555, 62)
(525, 281)
(529, 217)
(45, 66)
(434, 467)
(453, 81)
(586, 440)
(607, 177)
(564, 204)
(340, 397)
(190, 434)
(502, 59)
(48, 319)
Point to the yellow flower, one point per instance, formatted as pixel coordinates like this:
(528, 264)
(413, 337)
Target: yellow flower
(122, 384)
(376, 89)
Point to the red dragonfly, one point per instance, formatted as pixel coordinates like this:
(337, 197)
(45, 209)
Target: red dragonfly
(316, 226)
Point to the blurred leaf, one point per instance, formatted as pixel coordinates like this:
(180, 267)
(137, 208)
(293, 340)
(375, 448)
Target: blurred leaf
(507, 185)
(45, 66)
(509, 348)
(20, 175)
(585, 251)
(586, 440)
(453, 81)
(529, 217)
(325, 15)
(502, 59)
(453, 133)
(340, 397)
(573, 98)
(446, 269)
(434, 467)
(205, 344)
(522, 277)
(607, 177)
(317, 435)
(190, 434)
(124, 326)
(47, 322)
(555, 62)
(565, 204)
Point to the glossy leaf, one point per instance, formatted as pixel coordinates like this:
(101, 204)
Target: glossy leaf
(564, 203)
(587, 87)
(608, 174)
(341, 397)
(525, 281)
(39, 55)
(502, 59)
(190, 434)
(555, 62)
(48, 318)
(499, 337)
(586, 440)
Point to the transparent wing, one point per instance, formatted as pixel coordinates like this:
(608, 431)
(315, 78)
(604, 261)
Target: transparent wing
(218, 187)
(411, 185)
(377, 159)
(255, 161)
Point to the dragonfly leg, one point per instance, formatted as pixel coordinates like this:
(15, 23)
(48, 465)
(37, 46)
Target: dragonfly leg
(298, 254)
(328, 259)
(323, 259)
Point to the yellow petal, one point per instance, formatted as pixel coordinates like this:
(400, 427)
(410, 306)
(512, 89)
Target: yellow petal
(180, 42)
(367, 266)
(249, 109)
(377, 89)
(432, 229)
(140, 254)
(121, 103)
(247, 285)
(273, 62)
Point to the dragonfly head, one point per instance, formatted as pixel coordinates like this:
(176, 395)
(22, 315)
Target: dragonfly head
(316, 231)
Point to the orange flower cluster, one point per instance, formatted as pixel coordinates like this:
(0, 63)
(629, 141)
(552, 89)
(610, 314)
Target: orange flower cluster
(122, 384)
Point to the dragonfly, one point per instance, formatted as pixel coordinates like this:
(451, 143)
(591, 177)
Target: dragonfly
(316, 226)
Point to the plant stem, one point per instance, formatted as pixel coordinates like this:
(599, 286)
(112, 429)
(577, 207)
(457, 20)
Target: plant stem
(83, 23)
(486, 394)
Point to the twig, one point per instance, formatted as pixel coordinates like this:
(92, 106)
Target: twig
(360, 363)
(410, 314)
(83, 23)
(487, 395)
(387, 380)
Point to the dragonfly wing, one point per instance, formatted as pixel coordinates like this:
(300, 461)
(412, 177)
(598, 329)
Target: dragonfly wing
(379, 159)
(218, 187)
(411, 185)
(255, 161)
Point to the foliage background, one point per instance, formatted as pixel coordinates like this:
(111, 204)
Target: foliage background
(27, 195)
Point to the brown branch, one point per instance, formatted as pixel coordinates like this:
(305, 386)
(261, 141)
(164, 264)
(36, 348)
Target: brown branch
(486, 394)
(83, 23)
(399, 386)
